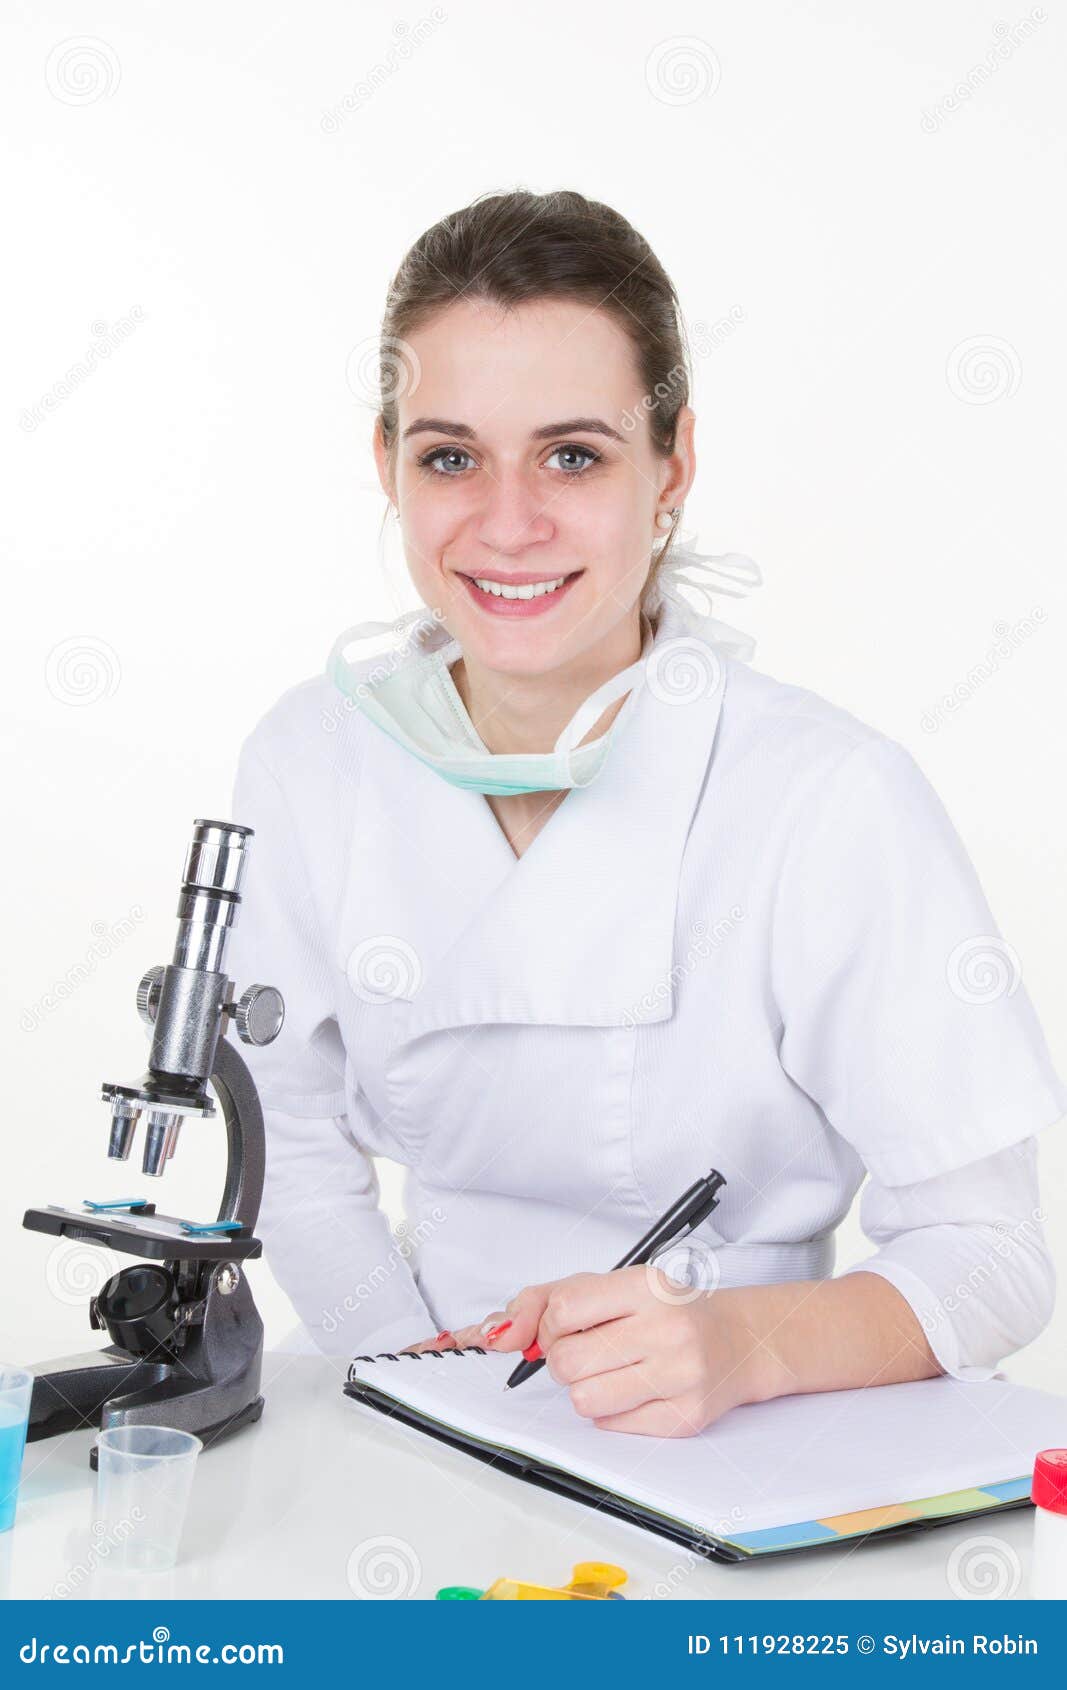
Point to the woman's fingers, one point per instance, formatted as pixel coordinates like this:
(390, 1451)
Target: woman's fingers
(603, 1349)
(520, 1319)
(468, 1336)
(588, 1299)
(443, 1341)
(615, 1393)
(493, 1330)
(657, 1419)
(549, 1312)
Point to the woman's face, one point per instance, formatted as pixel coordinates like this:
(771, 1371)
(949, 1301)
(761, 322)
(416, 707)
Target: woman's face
(524, 462)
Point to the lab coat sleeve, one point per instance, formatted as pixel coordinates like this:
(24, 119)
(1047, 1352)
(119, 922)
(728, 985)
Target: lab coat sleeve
(327, 1241)
(967, 1251)
(903, 1012)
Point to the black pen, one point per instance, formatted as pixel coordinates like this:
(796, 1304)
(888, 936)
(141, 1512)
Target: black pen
(694, 1206)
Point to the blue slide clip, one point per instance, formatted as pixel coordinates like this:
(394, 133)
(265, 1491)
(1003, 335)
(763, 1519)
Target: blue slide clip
(118, 1203)
(199, 1227)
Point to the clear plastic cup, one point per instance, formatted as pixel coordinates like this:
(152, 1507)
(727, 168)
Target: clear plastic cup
(16, 1389)
(144, 1476)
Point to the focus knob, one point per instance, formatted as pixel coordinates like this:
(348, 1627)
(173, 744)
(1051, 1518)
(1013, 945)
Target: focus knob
(148, 995)
(258, 1015)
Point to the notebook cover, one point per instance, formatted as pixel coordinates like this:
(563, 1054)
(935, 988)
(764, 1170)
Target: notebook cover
(538, 1472)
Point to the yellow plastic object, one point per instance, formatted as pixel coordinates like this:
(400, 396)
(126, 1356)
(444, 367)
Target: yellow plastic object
(591, 1581)
(597, 1578)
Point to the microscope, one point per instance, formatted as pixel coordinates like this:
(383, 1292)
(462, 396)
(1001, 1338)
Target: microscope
(186, 1338)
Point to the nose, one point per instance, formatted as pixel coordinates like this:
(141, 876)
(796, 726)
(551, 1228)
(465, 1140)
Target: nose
(514, 514)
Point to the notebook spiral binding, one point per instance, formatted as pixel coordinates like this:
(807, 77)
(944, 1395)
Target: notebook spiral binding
(413, 1355)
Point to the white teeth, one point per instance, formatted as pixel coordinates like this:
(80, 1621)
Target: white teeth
(534, 590)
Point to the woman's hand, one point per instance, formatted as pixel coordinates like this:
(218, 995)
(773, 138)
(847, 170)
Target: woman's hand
(462, 1338)
(640, 1352)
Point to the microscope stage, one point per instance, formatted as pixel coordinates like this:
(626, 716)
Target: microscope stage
(155, 1237)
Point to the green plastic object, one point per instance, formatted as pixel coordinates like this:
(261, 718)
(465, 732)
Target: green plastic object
(458, 1593)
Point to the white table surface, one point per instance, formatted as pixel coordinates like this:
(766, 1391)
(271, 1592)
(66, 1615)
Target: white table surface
(321, 1497)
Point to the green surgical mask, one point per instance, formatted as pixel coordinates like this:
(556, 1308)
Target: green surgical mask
(410, 694)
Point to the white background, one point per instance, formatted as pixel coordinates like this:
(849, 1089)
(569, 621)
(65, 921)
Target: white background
(220, 194)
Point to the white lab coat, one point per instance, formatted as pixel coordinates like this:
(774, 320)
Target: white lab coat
(754, 942)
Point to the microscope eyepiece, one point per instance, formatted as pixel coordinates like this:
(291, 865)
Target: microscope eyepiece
(211, 893)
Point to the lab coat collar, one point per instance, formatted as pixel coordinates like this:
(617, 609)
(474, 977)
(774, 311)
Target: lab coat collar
(579, 930)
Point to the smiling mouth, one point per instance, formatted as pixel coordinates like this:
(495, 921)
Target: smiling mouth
(519, 589)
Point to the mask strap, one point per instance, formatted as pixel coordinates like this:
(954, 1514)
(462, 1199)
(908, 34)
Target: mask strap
(410, 633)
(587, 714)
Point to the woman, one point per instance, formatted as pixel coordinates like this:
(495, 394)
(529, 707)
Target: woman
(569, 905)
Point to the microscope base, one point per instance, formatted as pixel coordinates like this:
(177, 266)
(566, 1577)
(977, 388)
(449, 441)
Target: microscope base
(71, 1394)
(210, 1434)
(210, 1386)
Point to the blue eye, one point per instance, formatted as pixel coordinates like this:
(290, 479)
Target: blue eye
(454, 461)
(585, 452)
(435, 460)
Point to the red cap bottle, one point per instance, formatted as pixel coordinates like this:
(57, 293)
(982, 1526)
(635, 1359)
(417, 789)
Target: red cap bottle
(1049, 1488)
(1048, 1492)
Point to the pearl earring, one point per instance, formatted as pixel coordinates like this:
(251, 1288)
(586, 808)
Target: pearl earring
(665, 518)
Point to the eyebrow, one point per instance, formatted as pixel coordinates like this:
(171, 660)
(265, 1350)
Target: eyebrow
(461, 431)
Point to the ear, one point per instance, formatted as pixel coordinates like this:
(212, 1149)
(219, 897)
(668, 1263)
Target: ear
(381, 459)
(679, 470)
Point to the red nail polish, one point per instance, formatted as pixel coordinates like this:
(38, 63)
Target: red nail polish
(534, 1353)
(495, 1331)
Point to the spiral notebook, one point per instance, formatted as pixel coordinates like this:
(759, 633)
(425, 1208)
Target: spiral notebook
(769, 1477)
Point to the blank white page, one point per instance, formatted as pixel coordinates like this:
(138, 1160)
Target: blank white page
(766, 1464)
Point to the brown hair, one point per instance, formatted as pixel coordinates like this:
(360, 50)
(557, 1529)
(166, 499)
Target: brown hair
(508, 248)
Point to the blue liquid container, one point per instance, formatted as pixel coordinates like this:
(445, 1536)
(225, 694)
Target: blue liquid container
(13, 1419)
